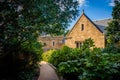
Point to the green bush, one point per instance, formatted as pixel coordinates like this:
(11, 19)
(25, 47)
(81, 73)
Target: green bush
(111, 49)
(29, 74)
(63, 55)
(86, 64)
(20, 61)
(47, 55)
(27, 60)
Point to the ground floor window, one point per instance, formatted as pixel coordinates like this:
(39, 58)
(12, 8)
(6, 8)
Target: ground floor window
(53, 43)
(78, 44)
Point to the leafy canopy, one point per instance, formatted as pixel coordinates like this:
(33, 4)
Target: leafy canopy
(23, 20)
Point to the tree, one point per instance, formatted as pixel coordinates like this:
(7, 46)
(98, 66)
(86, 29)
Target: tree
(113, 29)
(21, 21)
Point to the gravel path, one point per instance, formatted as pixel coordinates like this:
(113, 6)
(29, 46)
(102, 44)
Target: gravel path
(47, 72)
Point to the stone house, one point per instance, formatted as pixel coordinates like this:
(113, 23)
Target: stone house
(86, 28)
(51, 42)
(83, 29)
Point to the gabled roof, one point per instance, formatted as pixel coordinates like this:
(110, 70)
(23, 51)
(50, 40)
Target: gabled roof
(99, 24)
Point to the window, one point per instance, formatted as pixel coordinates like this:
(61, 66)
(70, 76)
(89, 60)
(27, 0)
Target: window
(63, 41)
(78, 44)
(53, 43)
(82, 27)
(44, 44)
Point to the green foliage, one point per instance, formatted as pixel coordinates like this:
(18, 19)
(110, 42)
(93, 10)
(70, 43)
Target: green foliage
(22, 59)
(88, 43)
(47, 55)
(87, 64)
(112, 49)
(47, 16)
(28, 75)
(21, 22)
(59, 55)
(27, 60)
(116, 10)
(113, 32)
(113, 29)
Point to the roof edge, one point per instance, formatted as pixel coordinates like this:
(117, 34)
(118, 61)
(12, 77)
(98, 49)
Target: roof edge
(75, 23)
(88, 19)
(93, 23)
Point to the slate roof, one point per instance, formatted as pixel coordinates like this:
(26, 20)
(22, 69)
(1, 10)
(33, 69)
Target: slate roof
(102, 24)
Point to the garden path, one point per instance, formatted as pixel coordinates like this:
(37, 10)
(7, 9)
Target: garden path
(47, 72)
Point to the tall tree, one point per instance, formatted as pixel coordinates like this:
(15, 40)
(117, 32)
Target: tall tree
(113, 29)
(21, 21)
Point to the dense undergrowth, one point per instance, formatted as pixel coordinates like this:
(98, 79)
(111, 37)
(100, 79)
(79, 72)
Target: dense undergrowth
(21, 62)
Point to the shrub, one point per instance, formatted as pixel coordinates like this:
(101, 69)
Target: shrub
(63, 55)
(86, 64)
(29, 74)
(111, 49)
(47, 55)
(27, 60)
(20, 60)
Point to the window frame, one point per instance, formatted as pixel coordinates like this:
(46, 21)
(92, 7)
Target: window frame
(82, 27)
(53, 43)
(78, 44)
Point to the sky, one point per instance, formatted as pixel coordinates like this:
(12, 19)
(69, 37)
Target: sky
(95, 9)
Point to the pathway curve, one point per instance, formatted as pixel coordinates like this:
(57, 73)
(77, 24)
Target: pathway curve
(47, 72)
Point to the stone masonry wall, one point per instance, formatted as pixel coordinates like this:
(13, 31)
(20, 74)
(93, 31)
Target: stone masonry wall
(50, 42)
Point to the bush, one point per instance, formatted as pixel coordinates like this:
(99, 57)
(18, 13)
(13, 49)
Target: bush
(46, 56)
(62, 55)
(20, 60)
(111, 49)
(86, 63)
(27, 60)
(30, 74)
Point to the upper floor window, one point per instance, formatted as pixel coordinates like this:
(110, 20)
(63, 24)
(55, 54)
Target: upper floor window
(82, 27)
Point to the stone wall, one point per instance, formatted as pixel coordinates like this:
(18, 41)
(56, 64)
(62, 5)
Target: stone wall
(50, 42)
